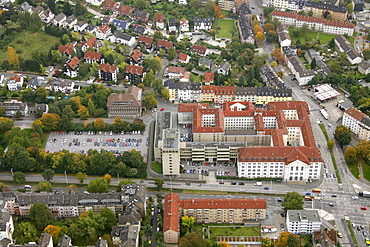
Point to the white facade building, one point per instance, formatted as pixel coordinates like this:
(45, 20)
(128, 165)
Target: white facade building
(303, 221)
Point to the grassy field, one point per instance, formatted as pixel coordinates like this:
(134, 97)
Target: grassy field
(25, 43)
(365, 170)
(227, 26)
(323, 37)
(157, 167)
(234, 231)
(354, 170)
(322, 127)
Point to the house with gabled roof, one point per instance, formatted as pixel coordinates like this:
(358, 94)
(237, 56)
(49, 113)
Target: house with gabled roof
(159, 21)
(120, 24)
(183, 58)
(200, 50)
(171, 225)
(364, 67)
(25, 7)
(201, 23)
(172, 29)
(103, 32)
(59, 20)
(123, 38)
(141, 15)
(71, 67)
(184, 25)
(93, 57)
(15, 83)
(46, 15)
(138, 29)
(224, 68)
(108, 72)
(92, 43)
(66, 49)
(80, 26)
(133, 72)
(175, 72)
(109, 5)
(208, 78)
(124, 10)
(146, 41)
(136, 57)
(164, 44)
(90, 28)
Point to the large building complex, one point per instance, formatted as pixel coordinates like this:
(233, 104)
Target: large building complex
(231, 211)
(277, 142)
(126, 105)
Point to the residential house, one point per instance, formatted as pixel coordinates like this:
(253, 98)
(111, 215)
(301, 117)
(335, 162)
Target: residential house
(93, 57)
(184, 25)
(208, 78)
(125, 10)
(245, 29)
(283, 35)
(63, 86)
(123, 38)
(103, 32)
(136, 57)
(202, 24)
(183, 91)
(364, 67)
(183, 2)
(120, 24)
(303, 221)
(35, 82)
(141, 15)
(6, 226)
(224, 68)
(71, 67)
(92, 43)
(172, 29)
(127, 235)
(80, 26)
(25, 7)
(137, 29)
(46, 240)
(133, 72)
(175, 72)
(59, 20)
(146, 41)
(344, 45)
(108, 72)
(90, 28)
(357, 122)
(325, 238)
(66, 49)
(109, 5)
(183, 58)
(185, 77)
(47, 16)
(205, 63)
(64, 241)
(126, 105)
(11, 108)
(358, 5)
(164, 44)
(159, 21)
(200, 50)
(101, 243)
(95, 2)
(15, 83)
(39, 108)
(70, 22)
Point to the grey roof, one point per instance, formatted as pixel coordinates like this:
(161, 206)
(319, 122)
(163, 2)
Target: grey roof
(194, 86)
(101, 243)
(60, 17)
(141, 13)
(329, 7)
(306, 73)
(299, 215)
(45, 239)
(138, 29)
(122, 35)
(128, 236)
(364, 65)
(132, 215)
(207, 62)
(71, 19)
(199, 20)
(353, 54)
(297, 64)
(366, 120)
(64, 241)
(35, 81)
(245, 91)
(289, 51)
(90, 28)
(280, 92)
(171, 22)
(25, 6)
(225, 66)
(245, 27)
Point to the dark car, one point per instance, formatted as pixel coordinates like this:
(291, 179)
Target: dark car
(280, 200)
(282, 225)
(233, 183)
(241, 183)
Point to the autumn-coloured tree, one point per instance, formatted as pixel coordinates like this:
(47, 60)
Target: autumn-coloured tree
(81, 176)
(280, 74)
(287, 239)
(83, 112)
(257, 29)
(299, 52)
(260, 37)
(49, 121)
(52, 230)
(13, 58)
(330, 144)
(278, 55)
(255, 22)
(268, 27)
(99, 124)
(273, 64)
(350, 155)
(108, 178)
(217, 9)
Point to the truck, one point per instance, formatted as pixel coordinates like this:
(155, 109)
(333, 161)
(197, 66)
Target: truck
(324, 113)
(258, 184)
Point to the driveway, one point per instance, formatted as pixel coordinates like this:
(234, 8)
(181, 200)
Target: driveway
(94, 12)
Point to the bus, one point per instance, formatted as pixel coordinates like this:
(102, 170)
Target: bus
(364, 193)
(316, 191)
(308, 198)
(367, 241)
(324, 113)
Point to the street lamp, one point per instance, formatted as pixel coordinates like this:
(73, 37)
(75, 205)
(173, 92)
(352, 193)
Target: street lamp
(11, 170)
(118, 177)
(65, 175)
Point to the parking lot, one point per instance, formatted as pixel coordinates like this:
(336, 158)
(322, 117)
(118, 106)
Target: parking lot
(81, 142)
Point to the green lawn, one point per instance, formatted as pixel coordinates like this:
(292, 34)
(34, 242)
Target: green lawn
(354, 170)
(323, 37)
(365, 170)
(26, 42)
(322, 127)
(195, 78)
(157, 167)
(227, 26)
(234, 231)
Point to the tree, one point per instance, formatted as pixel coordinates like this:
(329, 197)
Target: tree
(48, 174)
(52, 230)
(330, 144)
(81, 176)
(343, 135)
(124, 182)
(2, 186)
(117, 124)
(26, 233)
(285, 238)
(19, 178)
(148, 78)
(44, 186)
(98, 185)
(41, 215)
(149, 99)
(366, 54)
(83, 112)
(257, 29)
(141, 4)
(363, 150)
(159, 183)
(292, 201)
(107, 178)
(5, 124)
(278, 55)
(268, 27)
(195, 4)
(193, 239)
(350, 8)
(111, 219)
(13, 58)
(266, 242)
(187, 221)
(217, 9)
(171, 53)
(99, 124)
(49, 121)
(313, 63)
(350, 155)
(2, 112)
(273, 64)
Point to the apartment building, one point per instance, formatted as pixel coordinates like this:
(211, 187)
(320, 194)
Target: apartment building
(358, 122)
(11, 108)
(276, 143)
(126, 105)
(344, 45)
(316, 23)
(227, 5)
(183, 92)
(231, 211)
(303, 221)
(338, 13)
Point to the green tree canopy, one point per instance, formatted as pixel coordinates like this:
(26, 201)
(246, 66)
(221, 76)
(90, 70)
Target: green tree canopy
(19, 177)
(343, 135)
(98, 185)
(48, 174)
(293, 200)
(41, 215)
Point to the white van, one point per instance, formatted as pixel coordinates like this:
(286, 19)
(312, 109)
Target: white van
(258, 184)
(28, 186)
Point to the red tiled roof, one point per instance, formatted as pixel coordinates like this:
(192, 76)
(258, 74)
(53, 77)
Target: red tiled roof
(171, 213)
(219, 90)
(108, 67)
(92, 42)
(68, 49)
(132, 69)
(208, 77)
(177, 70)
(145, 39)
(184, 21)
(223, 204)
(355, 113)
(126, 10)
(93, 55)
(73, 64)
(189, 107)
(15, 78)
(136, 55)
(109, 4)
(201, 49)
(164, 43)
(159, 17)
(104, 28)
(183, 57)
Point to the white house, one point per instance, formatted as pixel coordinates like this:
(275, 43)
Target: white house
(123, 38)
(15, 83)
(202, 24)
(80, 26)
(159, 21)
(224, 68)
(59, 20)
(183, 2)
(95, 2)
(103, 32)
(184, 25)
(303, 221)
(7, 226)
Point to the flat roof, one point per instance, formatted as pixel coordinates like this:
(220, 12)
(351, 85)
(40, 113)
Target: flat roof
(325, 91)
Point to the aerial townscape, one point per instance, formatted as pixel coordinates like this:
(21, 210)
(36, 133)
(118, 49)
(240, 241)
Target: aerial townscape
(185, 123)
